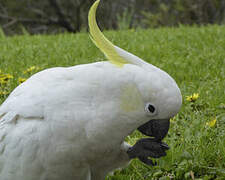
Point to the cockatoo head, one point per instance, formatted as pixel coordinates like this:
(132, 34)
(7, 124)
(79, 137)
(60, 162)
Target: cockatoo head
(162, 101)
(153, 97)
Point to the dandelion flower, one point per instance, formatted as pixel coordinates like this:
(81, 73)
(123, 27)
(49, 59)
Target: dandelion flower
(2, 93)
(30, 69)
(4, 78)
(21, 80)
(193, 97)
(211, 123)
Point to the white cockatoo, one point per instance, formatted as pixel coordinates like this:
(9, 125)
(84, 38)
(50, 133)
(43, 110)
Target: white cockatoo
(70, 123)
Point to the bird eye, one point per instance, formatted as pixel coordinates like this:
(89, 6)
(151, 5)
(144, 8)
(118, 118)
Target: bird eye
(150, 109)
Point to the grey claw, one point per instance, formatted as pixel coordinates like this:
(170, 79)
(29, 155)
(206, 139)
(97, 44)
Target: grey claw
(165, 146)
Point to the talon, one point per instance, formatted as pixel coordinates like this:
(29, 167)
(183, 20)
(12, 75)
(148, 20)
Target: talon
(165, 146)
(147, 161)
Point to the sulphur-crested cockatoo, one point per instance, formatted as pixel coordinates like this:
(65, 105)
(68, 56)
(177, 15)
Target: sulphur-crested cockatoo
(70, 123)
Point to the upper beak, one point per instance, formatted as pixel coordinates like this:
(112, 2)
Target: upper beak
(157, 128)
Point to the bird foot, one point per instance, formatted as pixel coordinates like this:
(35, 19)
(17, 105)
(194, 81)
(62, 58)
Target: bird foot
(148, 147)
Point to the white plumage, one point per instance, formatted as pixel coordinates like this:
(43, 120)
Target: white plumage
(70, 123)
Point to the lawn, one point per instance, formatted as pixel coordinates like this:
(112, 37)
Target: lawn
(193, 56)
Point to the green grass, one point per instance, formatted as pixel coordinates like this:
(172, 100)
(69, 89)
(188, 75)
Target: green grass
(193, 56)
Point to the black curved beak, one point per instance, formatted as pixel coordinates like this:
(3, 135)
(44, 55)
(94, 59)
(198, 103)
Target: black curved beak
(157, 128)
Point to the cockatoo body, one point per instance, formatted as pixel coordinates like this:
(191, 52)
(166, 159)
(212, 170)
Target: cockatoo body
(70, 123)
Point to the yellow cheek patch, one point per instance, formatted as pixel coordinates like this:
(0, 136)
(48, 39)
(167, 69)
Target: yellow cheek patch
(131, 99)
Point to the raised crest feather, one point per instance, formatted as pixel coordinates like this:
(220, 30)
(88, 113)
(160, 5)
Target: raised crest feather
(114, 54)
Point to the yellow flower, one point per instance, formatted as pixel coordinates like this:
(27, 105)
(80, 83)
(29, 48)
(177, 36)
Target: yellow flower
(2, 93)
(193, 97)
(30, 69)
(211, 123)
(4, 78)
(21, 80)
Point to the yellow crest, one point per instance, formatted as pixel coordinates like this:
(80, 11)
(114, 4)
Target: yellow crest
(101, 41)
